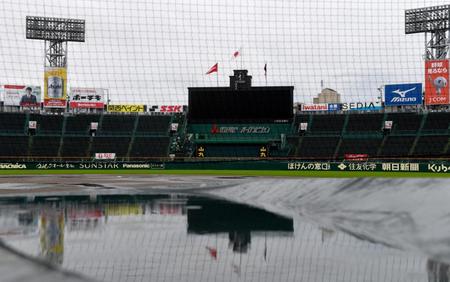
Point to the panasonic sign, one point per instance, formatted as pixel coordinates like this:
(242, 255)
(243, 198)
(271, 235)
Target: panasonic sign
(403, 94)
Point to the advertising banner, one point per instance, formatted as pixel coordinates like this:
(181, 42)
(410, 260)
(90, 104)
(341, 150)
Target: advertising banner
(403, 94)
(436, 82)
(362, 106)
(105, 156)
(314, 107)
(126, 108)
(22, 95)
(55, 87)
(334, 107)
(356, 157)
(167, 108)
(87, 98)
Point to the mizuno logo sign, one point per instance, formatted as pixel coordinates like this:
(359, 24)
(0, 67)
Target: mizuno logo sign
(404, 92)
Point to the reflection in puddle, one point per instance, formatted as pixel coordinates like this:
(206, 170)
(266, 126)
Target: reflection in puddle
(184, 238)
(438, 272)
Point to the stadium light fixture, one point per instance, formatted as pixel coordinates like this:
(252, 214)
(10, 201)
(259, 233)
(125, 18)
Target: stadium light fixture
(435, 23)
(56, 32)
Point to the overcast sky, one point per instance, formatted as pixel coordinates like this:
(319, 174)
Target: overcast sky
(150, 51)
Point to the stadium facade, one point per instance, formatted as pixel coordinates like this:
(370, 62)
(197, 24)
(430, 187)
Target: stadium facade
(235, 122)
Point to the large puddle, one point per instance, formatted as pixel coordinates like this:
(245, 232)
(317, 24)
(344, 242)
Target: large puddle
(179, 237)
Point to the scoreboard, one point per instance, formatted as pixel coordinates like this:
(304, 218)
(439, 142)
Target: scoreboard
(250, 105)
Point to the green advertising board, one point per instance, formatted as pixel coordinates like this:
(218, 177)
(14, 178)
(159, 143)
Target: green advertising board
(277, 165)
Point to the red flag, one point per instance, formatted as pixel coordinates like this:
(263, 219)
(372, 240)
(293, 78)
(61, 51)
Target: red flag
(214, 68)
(236, 54)
(212, 252)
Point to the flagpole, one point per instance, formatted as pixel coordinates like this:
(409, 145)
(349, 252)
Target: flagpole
(217, 76)
(265, 72)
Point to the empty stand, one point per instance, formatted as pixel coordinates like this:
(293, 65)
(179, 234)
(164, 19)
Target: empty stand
(437, 122)
(75, 147)
(118, 145)
(45, 146)
(301, 118)
(149, 147)
(13, 146)
(80, 124)
(48, 124)
(367, 146)
(12, 123)
(151, 125)
(232, 150)
(365, 122)
(318, 147)
(327, 124)
(397, 146)
(405, 121)
(117, 125)
(431, 146)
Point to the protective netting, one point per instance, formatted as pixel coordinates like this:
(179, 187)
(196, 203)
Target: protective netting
(150, 51)
(175, 238)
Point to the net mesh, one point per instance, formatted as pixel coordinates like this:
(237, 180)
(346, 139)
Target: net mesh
(149, 56)
(148, 241)
(150, 51)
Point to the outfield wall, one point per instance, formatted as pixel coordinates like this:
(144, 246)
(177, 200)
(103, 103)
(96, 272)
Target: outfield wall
(439, 167)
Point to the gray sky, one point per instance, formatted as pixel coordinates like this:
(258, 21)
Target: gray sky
(150, 51)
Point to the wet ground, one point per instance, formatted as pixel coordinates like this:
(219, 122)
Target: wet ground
(240, 229)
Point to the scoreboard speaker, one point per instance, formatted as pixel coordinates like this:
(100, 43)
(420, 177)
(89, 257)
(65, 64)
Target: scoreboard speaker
(32, 126)
(303, 127)
(388, 126)
(93, 128)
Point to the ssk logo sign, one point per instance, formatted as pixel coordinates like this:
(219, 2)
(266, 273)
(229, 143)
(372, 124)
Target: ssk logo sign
(172, 109)
(242, 130)
(403, 94)
(166, 108)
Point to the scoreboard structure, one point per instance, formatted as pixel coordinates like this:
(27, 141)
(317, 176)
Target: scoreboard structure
(241, 103)
(240, 120)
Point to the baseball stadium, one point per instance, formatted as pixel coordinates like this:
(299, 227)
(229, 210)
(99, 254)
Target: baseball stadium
(150, 140)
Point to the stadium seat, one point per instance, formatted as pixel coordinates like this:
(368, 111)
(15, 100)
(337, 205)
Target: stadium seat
(149, 147)
(153, 125)
(437, 122)
(405, 121)
(13, 146)
(12, 123)
(397, 146)
(45, 147)
(80, 124)
(48, 124)
(367, 146)
(431, 146)
(318, 147)
(117, 125)
(75, 147)
(365, 122)
(327, 124)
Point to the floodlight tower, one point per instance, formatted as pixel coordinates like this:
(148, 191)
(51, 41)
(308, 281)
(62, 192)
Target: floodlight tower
(434, 22)
(56, 32)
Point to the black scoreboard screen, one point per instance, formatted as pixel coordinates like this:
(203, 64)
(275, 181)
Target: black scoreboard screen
(256, 104)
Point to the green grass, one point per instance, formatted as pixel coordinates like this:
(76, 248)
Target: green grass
(276, 173)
